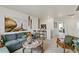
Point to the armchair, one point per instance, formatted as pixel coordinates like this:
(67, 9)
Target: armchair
(67, 42)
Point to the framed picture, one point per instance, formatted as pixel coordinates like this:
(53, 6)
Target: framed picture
(43, 26)
(12, 24)
(30, 22)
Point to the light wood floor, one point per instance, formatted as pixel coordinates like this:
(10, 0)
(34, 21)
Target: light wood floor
(50, 46)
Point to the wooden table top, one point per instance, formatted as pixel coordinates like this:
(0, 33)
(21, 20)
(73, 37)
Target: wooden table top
(34, 44)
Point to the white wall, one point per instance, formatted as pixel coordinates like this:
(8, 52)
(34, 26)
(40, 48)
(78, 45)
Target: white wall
(1, 25)
(71, 25)
(34, 23)
(50, 26)
(18, 16)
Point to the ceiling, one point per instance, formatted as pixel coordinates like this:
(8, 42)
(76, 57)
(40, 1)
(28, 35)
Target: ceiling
(44, 10)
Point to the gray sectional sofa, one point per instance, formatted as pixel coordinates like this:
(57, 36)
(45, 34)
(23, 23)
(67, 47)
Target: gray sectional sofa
(13, 41)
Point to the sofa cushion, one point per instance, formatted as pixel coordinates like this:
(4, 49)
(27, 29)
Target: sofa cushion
(20, 39)
(12, 42)
(10, 37)
(68, 40)
(14, 47)
(20, 35)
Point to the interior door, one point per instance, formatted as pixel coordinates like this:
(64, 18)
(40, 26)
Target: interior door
(61, 30)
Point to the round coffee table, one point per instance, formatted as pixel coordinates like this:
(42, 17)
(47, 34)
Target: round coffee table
(31, 45)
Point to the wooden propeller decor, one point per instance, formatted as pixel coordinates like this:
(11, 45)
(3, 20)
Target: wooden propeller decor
(9, 24)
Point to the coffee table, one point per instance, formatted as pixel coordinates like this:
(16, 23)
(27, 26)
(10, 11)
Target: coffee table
(31, 45)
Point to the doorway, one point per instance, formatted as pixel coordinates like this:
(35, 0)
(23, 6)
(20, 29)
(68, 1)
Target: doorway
(59, 29)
